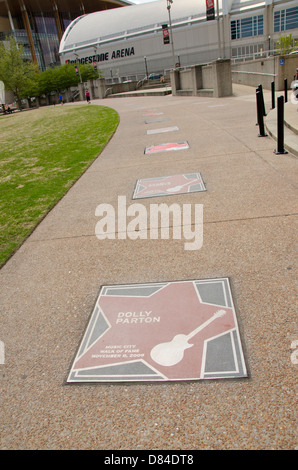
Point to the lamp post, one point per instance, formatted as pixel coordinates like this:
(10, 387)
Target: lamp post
(78, 66)
(169, 4)
(269, 45)
(218, 29)
(145, 59)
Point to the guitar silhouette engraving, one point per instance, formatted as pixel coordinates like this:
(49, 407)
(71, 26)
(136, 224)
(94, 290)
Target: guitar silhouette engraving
(177, 188)
(172, 352)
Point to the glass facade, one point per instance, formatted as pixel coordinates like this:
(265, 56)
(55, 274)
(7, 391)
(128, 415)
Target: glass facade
(247, 27)
(45, 30)
(45, 36)
(44, 24)
(285, 20)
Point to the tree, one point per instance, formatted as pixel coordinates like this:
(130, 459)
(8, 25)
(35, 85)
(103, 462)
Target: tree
(22, 78)
(17, 75)
(46, 82)
(286, 44)
(63, 77)
(88, 72)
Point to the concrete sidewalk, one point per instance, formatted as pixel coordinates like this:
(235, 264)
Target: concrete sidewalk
(48, 289)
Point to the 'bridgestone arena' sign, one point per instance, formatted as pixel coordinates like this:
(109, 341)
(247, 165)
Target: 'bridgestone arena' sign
(104, 56)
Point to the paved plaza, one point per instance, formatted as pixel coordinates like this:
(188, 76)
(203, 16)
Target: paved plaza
(81, 317)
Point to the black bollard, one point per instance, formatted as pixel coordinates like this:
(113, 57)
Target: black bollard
(260, 87)
(280, 127)
(257, 91)
(260, 114)
(286, 89)
(272, 95)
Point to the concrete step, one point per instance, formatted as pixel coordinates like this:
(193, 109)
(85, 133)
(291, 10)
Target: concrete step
(149, 92)
(154, 84)
(206, 92)
(203, 93)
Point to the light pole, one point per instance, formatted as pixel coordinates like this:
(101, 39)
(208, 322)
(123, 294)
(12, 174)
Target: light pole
(269, 38)
(145, 59)
(218, 29)
(78, 66)
(169, 4)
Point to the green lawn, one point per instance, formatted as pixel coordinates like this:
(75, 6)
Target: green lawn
(42, 153)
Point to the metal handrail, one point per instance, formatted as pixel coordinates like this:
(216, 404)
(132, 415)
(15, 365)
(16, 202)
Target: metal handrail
(109, 91)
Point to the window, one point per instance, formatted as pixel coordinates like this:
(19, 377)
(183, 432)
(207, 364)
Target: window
(286, 19)
(247, 27)
(260, 25)
(234, 34)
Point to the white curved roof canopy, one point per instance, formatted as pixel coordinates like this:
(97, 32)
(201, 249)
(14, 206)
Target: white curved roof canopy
(108, 25)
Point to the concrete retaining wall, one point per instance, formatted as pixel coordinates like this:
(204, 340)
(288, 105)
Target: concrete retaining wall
(267, 70)
(200, 80)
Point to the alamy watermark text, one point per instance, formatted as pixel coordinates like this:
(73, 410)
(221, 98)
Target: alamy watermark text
(137, 221)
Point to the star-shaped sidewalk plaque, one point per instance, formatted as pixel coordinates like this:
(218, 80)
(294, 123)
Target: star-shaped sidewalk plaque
(183, 330)
(169, 185)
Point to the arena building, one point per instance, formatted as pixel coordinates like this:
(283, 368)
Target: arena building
(40, 24)
(133, 41)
